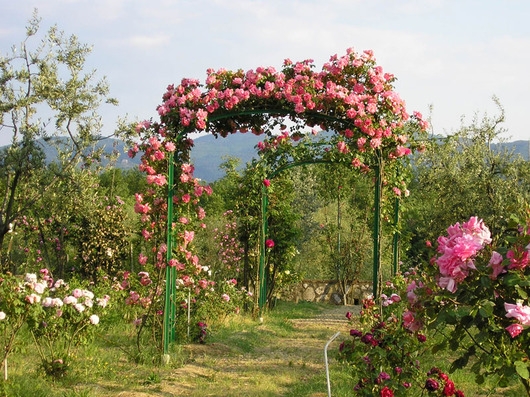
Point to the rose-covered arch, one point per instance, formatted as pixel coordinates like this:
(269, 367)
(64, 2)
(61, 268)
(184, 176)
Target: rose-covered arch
(351, 96)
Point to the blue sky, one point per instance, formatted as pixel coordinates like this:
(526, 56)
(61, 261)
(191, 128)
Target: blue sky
(451, 54)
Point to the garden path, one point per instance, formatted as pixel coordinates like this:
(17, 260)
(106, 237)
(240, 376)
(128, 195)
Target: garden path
(272, 359)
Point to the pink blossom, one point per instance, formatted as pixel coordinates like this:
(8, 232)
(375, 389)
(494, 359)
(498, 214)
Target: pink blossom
(496, 265)
(158, 179)
(410, 322)
(146, 234)
(94, 319)
(170, 146)
(225, 297)
(33, 298)
(356, 162)
(449, 283)
(266, 182)
(519, 258)
(269, 243)
(47, 302)
(70, 300)
(102, 302)
(342, 147)
(189, 236)
(518, 311)
(142, 259)
(514, 329)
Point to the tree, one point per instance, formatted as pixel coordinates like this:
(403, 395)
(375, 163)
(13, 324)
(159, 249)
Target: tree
(45, 96)
(466, 175)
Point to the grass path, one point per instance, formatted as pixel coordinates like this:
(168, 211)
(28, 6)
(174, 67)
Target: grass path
(283, 356)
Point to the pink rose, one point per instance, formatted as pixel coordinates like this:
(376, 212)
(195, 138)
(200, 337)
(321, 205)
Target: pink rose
(496, 265)
(514, 329)
(519, 312)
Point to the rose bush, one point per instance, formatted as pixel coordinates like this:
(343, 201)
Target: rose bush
(386, 350)
(475, 289)
(59, 316)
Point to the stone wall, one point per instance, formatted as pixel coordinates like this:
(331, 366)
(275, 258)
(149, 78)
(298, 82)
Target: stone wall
(327, 291)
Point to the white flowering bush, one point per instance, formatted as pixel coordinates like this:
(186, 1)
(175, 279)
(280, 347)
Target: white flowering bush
(59, 317)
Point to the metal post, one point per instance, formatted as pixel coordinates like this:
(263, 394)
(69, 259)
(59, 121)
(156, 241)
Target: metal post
(264, 226)
(168, 333)
(395, 242)
(377, 224)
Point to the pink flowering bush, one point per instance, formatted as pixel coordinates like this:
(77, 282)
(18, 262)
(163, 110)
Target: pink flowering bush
(229, 250)
(475, 289)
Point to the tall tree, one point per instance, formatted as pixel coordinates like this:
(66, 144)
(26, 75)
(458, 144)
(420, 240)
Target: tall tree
(466, 174)
(45, 96)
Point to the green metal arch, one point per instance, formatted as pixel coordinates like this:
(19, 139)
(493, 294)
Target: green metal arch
(376, 228)
(170, 292)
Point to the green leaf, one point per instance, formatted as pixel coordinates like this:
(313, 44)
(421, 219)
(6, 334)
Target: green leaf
(522, 293)
(511, 279)
(485, 281)
(486, 308)
(439, 347)
(459, 363)
(522, 369)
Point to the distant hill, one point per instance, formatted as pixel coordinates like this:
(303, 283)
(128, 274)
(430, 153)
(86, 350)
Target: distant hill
(209, 152)
(521, 148)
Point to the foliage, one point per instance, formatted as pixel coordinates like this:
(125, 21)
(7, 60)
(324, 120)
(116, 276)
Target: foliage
(76, 230)
(44, 93)
(469, 174)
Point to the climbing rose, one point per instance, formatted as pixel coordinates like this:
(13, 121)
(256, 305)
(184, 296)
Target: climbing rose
(386, 392)
(269, 243)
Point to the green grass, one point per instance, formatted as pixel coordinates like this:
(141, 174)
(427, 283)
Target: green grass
(242, 357)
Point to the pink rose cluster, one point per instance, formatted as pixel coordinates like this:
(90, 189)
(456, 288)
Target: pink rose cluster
(352, 83)
(458, 249)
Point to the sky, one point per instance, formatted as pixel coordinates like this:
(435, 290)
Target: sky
(450, 56)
